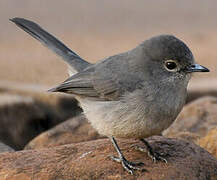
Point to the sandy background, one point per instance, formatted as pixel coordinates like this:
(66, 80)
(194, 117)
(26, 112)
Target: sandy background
(96, 29)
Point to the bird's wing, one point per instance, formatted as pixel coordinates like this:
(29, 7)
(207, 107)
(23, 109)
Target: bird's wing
(75, 62)
(87, 83)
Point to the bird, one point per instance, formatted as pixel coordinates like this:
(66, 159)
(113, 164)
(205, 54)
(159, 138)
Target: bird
(134, 94)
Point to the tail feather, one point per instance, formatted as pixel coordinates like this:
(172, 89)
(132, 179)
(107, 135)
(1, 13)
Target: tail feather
(75, 62)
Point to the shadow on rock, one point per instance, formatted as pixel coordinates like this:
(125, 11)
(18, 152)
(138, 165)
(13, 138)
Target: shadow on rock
(24, 114)
(74, 130)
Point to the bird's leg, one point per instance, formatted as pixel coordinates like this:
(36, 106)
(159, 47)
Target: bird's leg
(127, 165)
(155, 156)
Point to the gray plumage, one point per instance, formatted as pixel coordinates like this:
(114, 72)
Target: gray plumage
(135, 94)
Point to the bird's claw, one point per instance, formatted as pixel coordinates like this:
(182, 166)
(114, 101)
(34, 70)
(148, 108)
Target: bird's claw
(127, 165)
(155, 156)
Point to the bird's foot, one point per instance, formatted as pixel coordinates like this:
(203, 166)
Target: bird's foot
(127, 165)
(155, 156)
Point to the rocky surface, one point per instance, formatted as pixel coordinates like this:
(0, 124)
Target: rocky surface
(193, 137)
(90, 160)
(74, 130)
(25, 114)
(197, 117)
(209, 142)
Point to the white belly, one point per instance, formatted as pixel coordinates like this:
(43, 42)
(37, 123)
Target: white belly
(137, 115)
(122, 121)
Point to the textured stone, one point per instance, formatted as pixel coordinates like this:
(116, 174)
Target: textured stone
(74, 130)
(209, 142)
(90, 160)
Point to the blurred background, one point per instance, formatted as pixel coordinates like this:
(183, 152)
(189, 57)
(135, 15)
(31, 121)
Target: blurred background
(100, 28)
(95, 29)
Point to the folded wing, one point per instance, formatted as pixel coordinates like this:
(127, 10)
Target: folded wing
(86, 83)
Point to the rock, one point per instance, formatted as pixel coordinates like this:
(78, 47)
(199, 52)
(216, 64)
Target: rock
(200, 88)
(198, 117)
(193, 137)
(5, 148)
(209, 142)
(24, 114)
(89, 160)
(74, 130)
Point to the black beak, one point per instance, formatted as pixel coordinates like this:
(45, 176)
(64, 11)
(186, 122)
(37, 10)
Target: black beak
(196, 68)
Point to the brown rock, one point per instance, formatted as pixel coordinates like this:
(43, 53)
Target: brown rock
(90, 160)
(198, 117)
(209, 142)
(74, 130)
(193, 137)
(24, 114)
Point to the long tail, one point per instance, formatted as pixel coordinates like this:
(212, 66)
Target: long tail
(75, 62)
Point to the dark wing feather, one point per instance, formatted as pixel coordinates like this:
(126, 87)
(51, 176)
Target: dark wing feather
(109, 79)
(86, 84)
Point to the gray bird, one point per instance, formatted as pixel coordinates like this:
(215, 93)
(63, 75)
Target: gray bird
(135, 94)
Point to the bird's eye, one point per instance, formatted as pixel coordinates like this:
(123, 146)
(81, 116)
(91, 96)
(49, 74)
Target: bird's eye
(171, 65)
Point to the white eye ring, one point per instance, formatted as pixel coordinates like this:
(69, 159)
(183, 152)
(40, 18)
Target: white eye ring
(171, 65)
